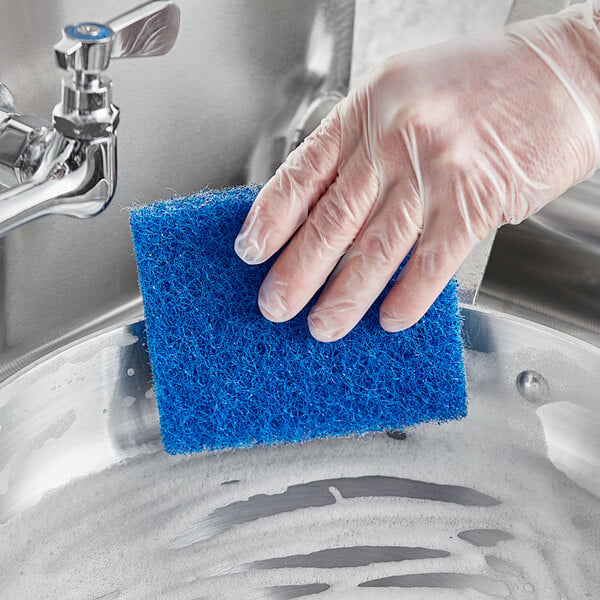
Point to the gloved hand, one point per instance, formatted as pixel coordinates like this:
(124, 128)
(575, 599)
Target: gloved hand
(436, 149)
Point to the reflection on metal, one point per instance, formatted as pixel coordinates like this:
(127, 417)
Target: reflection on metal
(149, 30)
(470, 273)
(502, 566)
(91, 403)
(486, 538)
(287, 592)
(573, 442)
(321, 517)
(354, 556)
(323, 493)
(547, 269)
(448, 581)
(575, 216)
(532, 386)
(315, 88)
(6, 100)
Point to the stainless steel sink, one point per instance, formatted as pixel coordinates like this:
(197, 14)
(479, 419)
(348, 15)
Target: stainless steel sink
(505, 504)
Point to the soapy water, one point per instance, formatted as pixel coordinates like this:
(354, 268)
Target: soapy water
(473, 509)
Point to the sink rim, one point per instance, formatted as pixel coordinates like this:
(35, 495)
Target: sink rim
(479, 339)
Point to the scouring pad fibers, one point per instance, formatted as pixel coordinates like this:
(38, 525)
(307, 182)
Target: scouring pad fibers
(226, 377)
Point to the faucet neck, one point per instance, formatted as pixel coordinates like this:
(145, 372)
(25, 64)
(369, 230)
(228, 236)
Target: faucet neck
(86, 111)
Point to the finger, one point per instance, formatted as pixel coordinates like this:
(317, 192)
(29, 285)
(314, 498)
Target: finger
(284, 202)
(437, 256)
(368, 266)
(330, 229)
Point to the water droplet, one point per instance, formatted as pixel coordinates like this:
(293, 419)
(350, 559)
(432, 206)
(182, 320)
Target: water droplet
(532, 386)
(130, 372)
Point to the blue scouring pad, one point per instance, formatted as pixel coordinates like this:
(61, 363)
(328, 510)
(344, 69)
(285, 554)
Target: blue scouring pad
(226, 377)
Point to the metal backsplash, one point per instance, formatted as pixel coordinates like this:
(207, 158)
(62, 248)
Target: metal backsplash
(241, 84)
(547, 269)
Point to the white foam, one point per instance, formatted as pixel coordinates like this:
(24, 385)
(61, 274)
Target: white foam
(147, 528)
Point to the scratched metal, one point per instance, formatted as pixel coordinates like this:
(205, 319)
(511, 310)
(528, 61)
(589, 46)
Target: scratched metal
(504, 504)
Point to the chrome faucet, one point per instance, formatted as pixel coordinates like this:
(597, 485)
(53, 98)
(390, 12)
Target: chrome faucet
(69, 167)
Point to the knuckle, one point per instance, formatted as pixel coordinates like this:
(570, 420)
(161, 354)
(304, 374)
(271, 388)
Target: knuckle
(336, 217)
(390, 70)
(340, 214)
(425, 124)
(359, 187)
(411, 129)
(379, 248)
(453, 154)
(427, 264)
(411, 219)
(320, 148)
(412, 115)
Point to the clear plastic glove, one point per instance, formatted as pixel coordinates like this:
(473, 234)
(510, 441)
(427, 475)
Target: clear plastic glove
(436, 149)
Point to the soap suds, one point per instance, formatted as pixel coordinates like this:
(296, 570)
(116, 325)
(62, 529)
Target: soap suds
(156, 526)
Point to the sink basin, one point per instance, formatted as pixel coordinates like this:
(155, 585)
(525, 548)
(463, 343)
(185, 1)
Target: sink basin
(504, 504)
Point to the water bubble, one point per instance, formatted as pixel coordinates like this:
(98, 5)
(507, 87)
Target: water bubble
(532, 386)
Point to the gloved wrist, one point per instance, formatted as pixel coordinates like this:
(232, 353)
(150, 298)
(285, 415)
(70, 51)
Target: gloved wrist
(568, 43)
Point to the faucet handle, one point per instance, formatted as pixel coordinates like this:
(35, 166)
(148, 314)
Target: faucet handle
(84, 47)
(7, 104)
(148, 30)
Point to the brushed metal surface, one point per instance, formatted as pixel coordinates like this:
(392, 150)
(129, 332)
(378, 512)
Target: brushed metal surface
(504, 504)
(548, 268)
(189, 120)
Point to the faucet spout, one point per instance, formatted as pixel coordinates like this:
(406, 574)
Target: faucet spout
(75, 178)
